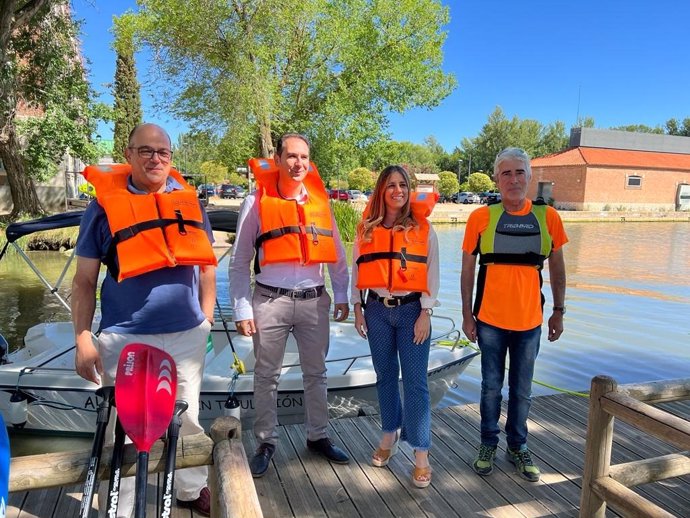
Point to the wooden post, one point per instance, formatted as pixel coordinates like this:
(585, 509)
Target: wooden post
(231, 478)
(598, 448)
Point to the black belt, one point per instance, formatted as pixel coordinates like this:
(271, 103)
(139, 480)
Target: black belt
(392, 302)
(308, 293)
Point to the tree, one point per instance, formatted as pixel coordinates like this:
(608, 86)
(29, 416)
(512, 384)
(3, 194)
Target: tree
(448, 183)
(361, 179)
(42, 74)
(682, 129)
(213, 171)
(640, 128)
(480, 182)
(126, 93)
(252, 71)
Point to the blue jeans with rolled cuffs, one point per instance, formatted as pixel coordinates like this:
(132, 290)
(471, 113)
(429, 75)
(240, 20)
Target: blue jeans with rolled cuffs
(391, 332)
(523, 347)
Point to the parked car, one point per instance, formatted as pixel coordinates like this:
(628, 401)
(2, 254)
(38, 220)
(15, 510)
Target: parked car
(466, 197)
(339, 194)
(206, 190)
(492, 197)
(232, 191)
(356, 195)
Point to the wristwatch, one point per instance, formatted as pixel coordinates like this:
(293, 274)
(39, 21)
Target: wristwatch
(559, 308)
(428, 311)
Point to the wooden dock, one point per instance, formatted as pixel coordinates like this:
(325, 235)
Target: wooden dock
(301, 484)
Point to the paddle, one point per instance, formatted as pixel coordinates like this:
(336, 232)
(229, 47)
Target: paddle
(145, 388)
(4, 467)
(237, 364)
(115, 470)
(106, 395)
(169, 478)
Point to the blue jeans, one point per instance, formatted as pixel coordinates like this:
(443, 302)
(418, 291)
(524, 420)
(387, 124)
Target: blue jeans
(523, 346)
(390, 332)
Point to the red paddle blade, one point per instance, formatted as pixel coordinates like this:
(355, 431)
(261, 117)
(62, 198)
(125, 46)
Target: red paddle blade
(145, 390)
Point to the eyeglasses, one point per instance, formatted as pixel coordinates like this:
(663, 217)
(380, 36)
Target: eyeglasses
(164, 155)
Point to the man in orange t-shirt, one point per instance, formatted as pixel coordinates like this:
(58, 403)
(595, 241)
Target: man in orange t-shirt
(513, 239)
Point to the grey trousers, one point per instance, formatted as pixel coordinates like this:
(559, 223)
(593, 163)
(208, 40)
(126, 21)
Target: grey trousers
(275, 316)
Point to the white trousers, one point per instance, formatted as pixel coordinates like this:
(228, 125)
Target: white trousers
(188, 349)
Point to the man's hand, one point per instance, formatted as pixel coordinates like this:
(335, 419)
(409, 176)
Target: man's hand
(469, 327)
(87, 361)
(341, 311)
(555, 326)
(246, 327)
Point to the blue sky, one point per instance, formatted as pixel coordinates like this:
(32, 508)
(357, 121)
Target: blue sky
(620, 62)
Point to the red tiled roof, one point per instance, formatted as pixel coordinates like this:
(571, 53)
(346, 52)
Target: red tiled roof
(615, 158)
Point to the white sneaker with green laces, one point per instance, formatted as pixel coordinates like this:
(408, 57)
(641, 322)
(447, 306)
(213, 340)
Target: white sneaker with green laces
(522, 459)
(484, 463)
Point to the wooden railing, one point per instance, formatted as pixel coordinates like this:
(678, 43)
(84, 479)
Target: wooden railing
(230, 480)
(603, 484)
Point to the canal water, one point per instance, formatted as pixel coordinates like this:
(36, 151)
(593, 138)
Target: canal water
(628, 299)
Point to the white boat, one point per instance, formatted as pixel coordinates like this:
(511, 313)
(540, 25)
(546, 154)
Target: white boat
(40, 391)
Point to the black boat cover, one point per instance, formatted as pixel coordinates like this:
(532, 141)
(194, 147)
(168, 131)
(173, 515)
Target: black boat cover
(221, 220)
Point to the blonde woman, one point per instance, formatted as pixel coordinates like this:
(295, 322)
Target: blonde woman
(395, 282)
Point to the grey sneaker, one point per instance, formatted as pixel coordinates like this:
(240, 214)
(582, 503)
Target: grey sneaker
(523, 463)
(484, 463)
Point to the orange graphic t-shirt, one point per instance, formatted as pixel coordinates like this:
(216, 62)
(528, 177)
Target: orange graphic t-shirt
(512, 295)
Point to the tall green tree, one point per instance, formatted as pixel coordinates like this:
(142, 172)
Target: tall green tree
(127, 109)
(332, 70)
(448, 183)
(41, 73)
(681, 129)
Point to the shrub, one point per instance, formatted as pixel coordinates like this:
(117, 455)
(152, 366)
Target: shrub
(347, 218)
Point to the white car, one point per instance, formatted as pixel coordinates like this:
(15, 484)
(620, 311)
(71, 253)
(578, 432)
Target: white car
(356, 195)
(467, 197)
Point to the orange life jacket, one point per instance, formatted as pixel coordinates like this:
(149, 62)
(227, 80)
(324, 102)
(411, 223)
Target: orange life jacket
(150, 231)
(397, 259)
(290, 231)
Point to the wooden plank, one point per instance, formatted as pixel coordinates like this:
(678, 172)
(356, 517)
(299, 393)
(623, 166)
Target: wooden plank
(555, 491)
(648, 419)
(401, 465)
(382, 482)
(269, 488)
(333, 483)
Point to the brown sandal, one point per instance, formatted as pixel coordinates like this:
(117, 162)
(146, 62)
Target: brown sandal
(421, 477)
(381, 457)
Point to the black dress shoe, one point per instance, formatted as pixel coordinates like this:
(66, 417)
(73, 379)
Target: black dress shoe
(329, 450)
(261, 459)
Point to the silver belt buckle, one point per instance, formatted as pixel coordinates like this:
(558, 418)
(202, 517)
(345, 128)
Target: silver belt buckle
(387, 302)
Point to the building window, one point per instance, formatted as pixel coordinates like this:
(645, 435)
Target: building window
(633, 182)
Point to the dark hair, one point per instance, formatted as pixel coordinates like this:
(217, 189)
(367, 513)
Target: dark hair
(281, 141)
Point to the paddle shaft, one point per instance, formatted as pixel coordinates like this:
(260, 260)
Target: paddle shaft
(169, 477)
(116, 470)
(141, 483)
(106, 393)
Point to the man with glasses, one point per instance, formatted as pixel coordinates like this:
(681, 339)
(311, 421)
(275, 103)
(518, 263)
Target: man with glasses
(161, 285)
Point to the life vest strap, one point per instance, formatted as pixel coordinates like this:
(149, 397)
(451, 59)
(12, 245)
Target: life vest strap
(375, 256)
(282, 231)
(131, 231)
(529, 259)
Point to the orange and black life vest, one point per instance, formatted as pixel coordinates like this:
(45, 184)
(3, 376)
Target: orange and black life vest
(149, 231)
(397, 259)
(291, 231)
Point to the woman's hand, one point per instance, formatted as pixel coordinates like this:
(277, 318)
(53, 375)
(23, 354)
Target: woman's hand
(360, 323)
(422, 327)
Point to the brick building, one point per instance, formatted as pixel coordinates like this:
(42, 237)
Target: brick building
(611, 170)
